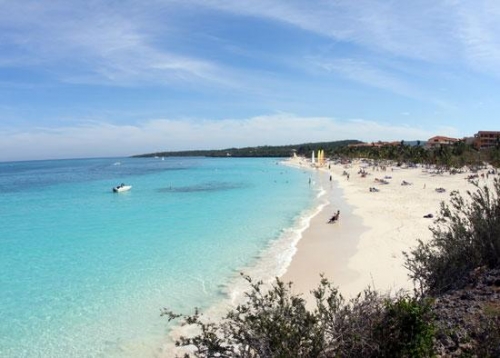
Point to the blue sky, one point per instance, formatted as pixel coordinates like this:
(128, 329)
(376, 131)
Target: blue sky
(117, 78)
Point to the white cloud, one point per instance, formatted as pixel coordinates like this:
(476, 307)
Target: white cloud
(101, 139)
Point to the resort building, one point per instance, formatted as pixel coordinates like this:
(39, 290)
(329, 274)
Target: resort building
(438, 141)
(486, 139)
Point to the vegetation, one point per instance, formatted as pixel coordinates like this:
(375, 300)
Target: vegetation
(467, 237)
(276, 323)
(262, 151)
(455, 155)
(448, 156)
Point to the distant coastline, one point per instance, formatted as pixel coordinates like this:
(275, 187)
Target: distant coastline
(255, 152)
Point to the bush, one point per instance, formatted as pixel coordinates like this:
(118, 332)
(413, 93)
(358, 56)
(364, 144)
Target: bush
(271, 323)
(406, 329)
(276, 323)
(467, 236)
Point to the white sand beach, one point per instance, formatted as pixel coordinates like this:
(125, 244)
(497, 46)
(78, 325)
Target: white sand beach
(365, 247)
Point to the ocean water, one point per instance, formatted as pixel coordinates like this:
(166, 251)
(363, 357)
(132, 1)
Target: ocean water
(84, 272)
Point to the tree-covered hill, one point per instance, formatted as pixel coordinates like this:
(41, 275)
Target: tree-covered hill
(260, 151)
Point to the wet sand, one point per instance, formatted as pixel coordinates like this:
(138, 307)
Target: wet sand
(325, 248)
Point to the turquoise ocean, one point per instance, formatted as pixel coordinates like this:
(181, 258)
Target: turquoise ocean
(84, 272)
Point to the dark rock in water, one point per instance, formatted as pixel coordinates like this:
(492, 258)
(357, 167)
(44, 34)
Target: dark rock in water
(203, 187)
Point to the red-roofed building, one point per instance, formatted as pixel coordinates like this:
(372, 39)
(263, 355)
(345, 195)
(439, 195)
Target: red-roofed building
(441, 140)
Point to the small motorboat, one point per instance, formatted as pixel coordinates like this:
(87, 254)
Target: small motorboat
(121, 188)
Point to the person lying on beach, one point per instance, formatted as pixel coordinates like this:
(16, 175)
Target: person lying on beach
(405, 183)
(334, 218)
(428, 216)
(374, 190)
(381, 181)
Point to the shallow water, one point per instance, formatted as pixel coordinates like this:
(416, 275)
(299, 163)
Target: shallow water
(84, 272)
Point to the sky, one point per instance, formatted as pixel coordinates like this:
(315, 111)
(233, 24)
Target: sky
(117, 78)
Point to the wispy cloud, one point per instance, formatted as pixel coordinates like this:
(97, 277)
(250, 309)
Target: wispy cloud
(92, 42)
(213, 57)
(363, 72)
(390, 27)
(479, 34)
(104, 42)
(441, 31)
(103, 139)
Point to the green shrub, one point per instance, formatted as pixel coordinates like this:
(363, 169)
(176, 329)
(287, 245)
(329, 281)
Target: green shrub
(406, 329)
(466, 236)
(271, 323)
(276, 323)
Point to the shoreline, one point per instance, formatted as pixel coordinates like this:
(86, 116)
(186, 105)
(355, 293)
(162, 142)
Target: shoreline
(272, 262)
(335, 242)
(365, 247)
